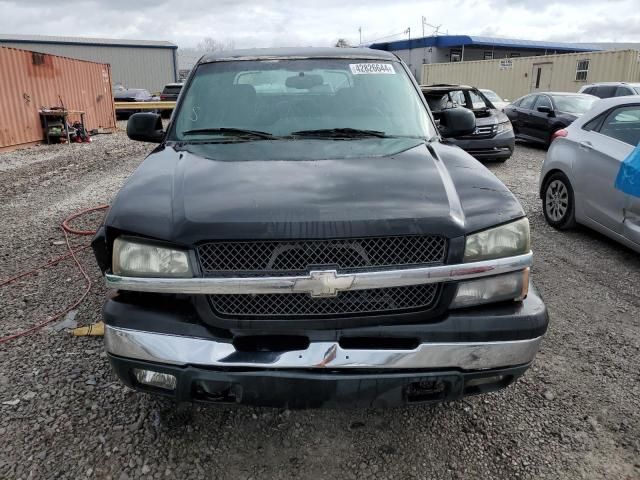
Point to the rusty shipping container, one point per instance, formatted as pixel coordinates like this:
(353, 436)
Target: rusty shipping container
(30, 81)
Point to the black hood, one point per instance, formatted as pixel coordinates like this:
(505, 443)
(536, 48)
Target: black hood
(309, 189)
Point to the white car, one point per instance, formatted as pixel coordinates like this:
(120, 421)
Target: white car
(577, 182)
(494, 98)
(611, 89)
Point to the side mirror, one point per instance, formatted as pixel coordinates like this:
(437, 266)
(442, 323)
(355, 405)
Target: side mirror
(145, 127)
(457, 122)
(545, 109)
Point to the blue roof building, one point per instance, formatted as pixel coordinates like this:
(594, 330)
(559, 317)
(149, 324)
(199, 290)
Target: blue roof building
(457, 48)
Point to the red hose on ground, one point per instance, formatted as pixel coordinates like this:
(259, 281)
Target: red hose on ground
(66, 229)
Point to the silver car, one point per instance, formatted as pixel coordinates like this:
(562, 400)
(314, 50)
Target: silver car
(579, 173)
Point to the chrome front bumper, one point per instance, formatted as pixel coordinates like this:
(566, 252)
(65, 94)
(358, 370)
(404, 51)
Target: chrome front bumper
(182, 351)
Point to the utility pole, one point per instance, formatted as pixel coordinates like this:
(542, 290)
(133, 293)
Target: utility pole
(424, 46)
(408, 32)
(360, 32)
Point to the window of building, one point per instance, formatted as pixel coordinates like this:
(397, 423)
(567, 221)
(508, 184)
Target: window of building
(538, 75)
(514, 54)
(488, 55)
(582, 69)
(455, 55)
(37, 58)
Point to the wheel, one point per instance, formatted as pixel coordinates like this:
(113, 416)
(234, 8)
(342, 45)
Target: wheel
(558, 203)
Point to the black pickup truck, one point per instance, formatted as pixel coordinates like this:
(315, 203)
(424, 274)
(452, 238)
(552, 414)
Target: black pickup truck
(302, 237)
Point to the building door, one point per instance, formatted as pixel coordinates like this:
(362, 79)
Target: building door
(541, 77)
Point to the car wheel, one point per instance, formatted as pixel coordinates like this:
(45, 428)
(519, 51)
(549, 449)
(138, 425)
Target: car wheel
(558, 203)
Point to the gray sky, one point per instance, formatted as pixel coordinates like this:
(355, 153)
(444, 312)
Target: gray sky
(256, 23)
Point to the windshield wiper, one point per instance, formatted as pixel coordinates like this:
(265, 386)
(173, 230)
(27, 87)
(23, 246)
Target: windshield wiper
(238, 132)
(340, 133)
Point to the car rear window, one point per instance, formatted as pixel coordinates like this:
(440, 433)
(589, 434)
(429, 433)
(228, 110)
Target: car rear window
(624, 91)
(172, 90)
(605, 91)
(623, 124)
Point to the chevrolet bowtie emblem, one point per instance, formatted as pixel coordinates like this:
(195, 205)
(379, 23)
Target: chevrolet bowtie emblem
(323, 283)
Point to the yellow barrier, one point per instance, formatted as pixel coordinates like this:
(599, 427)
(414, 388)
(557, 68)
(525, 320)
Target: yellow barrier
(144, 105)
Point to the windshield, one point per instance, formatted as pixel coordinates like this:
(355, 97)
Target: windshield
(281, 97)
(637, 89)
(573, 103)
(491, 95)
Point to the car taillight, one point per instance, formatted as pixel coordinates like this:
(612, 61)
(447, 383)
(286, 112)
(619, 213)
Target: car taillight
(163, 97)
(559, 133)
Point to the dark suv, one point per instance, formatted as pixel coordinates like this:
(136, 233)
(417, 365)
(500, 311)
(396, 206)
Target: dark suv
(302, 237)
(493, 137)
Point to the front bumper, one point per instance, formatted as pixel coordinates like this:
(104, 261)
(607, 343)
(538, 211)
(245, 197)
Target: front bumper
(499, 147)
(362, 366)
(310, 389)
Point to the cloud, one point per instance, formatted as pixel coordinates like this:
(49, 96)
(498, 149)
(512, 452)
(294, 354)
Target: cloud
(268, 23)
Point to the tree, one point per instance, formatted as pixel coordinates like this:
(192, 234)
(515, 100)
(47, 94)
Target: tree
(209, 44)
(343, 43)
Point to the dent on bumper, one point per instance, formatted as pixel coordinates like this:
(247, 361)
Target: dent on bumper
(182, 351)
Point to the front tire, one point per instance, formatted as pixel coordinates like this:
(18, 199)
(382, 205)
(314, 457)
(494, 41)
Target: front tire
(558, 202)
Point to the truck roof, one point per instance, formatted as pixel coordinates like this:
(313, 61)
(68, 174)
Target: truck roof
(297, 53)
(440, 87)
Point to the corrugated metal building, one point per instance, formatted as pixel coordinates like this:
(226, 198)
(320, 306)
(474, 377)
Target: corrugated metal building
(461, 48)
(134, 63)
(513, 77)
(32, 80)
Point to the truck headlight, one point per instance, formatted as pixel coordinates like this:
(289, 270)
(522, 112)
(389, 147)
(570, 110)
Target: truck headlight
(139, 259)
(503, 241)
(509, 286)
(504, 127)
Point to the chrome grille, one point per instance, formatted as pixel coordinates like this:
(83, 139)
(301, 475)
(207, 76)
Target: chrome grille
(290, 257)
(351, 302)
(483, 131)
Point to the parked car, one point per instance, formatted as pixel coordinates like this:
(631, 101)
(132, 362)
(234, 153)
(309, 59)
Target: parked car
(577, 183)
(495, 99)
(611, 89)
(537, 116)
(131, 95)
(170, 93)
(493, 137)
(318, 247)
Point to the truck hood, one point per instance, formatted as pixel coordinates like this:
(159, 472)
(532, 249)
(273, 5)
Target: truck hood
(309, 189)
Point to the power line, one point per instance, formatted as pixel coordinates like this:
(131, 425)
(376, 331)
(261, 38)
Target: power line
(404, 32)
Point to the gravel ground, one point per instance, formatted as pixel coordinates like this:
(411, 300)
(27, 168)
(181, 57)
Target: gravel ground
(575, 414)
